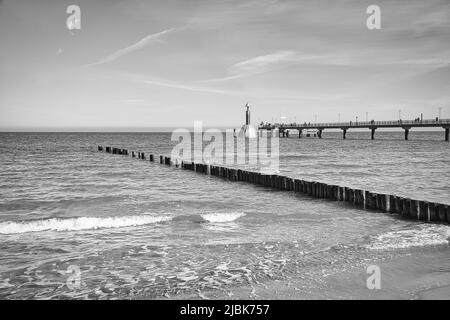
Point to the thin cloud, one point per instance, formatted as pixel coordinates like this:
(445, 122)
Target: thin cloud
(256, 65)
(261, 63)
(280, 59)
(135, 46)
(175, 85)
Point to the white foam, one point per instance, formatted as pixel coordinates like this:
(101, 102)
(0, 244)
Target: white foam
(222, 217)
(75, 224)
(417, 236)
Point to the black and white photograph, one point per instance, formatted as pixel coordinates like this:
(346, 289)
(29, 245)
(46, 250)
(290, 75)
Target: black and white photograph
(230, 152)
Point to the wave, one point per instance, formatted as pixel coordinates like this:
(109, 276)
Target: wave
(419, 236)
(222, 217)
(90, 223)
(76, 224)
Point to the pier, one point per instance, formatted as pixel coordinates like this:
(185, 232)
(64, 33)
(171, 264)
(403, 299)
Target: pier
(407, 208)
(406, 125)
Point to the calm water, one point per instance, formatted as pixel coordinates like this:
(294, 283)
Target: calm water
(140, 230)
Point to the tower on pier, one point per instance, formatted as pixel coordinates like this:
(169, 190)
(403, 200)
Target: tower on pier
(247, 130)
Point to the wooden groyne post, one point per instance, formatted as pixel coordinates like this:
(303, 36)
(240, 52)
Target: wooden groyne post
(419, 210)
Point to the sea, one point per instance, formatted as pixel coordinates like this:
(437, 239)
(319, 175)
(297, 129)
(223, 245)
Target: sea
(76, 223)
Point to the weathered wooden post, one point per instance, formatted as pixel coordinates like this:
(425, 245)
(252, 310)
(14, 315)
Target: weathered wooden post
(434, 211)
(272, 181)
(296, 185)
(401, 205)
(350, 195)
(332, 192)
(359, 198)
(319, 190)
(310, 188)
(346, 194)
(369, 199)
(314, 189)
(152, 159)
(100, 148)
(380, 202)
(423, 210)
(442, 213)
(406, 208)
(414, 214)
(282, 183)
(341, 193)
(321, 193)
(325, 191)
(302, 186)
(291, 182)
(384, 203)
(305, 186)
(391, 200)
(335, 193)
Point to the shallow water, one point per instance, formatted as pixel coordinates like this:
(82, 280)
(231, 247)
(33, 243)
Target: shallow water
(140, 230)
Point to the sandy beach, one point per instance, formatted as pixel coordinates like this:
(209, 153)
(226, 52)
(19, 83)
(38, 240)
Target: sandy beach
(422, 275)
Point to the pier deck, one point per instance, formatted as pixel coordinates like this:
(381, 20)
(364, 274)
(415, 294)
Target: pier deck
(371, 125)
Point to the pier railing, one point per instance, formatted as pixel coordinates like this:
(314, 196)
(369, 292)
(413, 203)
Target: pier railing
(372, 125)
(361, 124)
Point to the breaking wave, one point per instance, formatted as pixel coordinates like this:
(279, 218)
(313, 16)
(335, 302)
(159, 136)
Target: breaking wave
(222, 217)
(417, 236)
(76, 224)
(90, 223)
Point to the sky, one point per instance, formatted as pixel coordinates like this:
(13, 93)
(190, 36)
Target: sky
(143, 64)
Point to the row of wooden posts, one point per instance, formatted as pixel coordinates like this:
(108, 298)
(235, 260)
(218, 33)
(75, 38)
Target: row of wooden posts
(405, 207)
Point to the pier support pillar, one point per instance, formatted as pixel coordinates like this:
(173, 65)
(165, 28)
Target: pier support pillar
(373, 133)
(300, 133)
(319, 133)
(406, 133)
(447, 131)
(344, 133)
